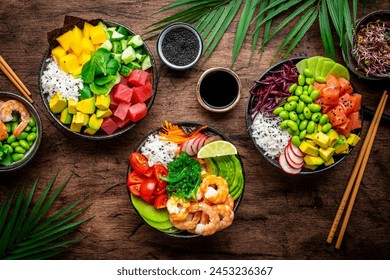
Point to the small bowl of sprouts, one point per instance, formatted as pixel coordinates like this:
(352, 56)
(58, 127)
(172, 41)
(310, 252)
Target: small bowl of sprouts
(369, 54)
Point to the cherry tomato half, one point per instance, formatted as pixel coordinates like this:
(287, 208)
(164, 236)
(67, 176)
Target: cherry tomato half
(161, 201)
(135, 178)
(139, 163)
(147, 188)
(134, 189)
(160, 170)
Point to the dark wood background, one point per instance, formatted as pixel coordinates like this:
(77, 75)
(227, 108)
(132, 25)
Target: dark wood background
(280, 217)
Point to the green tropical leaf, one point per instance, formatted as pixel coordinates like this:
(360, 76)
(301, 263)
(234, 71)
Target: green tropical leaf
(347, 21)
(326, 30)
(213, 23)
(354, 7)
(334, 15)
(256, 33)
(29, 232)
(185, 3)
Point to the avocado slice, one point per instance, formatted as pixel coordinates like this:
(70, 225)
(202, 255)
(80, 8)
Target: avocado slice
(148, 211)
(211, 167)
(226, 169)
(238, 183)
(158, 225)
(326, 67)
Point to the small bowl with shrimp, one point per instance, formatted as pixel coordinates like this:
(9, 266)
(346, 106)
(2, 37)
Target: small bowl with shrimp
(20, 131)
(186, 180)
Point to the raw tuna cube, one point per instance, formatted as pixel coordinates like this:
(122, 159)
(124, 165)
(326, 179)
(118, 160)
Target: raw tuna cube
(121, 111)
(120, 123)
(123, 94)
(138, 77)
(137, 111)
(109, 126)
(141, 94)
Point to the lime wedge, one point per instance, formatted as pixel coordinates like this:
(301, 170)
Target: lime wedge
(217, 149)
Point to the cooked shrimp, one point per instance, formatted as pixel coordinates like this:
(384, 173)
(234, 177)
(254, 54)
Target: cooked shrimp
(229, 201)
(6, 114)
(210, 222)
(188, 223)
(178, 208)
(214, 188)
(3, 131)
(225, 214)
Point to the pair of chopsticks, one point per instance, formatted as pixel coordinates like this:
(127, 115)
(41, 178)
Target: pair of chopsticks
(14, 79)
(356, 176)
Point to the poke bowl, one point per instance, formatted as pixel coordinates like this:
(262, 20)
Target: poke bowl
(186, 180)
(97, 78)
(303, 115)
(20, 132)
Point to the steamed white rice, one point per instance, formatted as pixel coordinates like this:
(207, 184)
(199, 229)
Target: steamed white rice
(268, 135)
(158, 151)
(55, 80)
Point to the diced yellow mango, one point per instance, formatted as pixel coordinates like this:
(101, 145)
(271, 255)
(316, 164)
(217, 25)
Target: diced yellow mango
(69, 62)
(308, 148)
(87, 46)
(321, 139)
(72, 106)
(94, 122)
(98, 35)
(101, 114)
(66, 40)
(90, 131)
(87, 30)
(310, 160)
(77, 34)
(326, 153)
(57, 53)
(83, 58)
(76, 47)
(102, 101)
(57, 103)
(77, 72)
(81, 119)
(65, 118)
(86, 106)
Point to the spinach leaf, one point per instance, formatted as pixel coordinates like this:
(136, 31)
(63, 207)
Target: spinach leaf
(104, 80)
(96, 89)
(88, 70)
(85, 93)
(112, 66)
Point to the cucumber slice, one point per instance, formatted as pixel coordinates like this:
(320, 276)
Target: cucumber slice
(107, 45)
(136, 41)
(128, 55)
(146, 63)
(122, 30)
(116, 36)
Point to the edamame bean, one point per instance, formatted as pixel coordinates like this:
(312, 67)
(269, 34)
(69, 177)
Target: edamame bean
(299, 91)
(300, 107)
(278, 110)
(9, 148)
(8, 127)
(24, 144)
(22, 135)
(308, 73)
(293, 98)
(301, 116)
(301, 80)
(32, 136)
(15, 144)
(13, 126)
(310, 89)
(303, 124)
(326, 127)
(309, 81)
(283, 115)
(293, 116)
(320, 79)
(306, 99)
(292, 88)
(307, 113)
(293, 125)
(314, 94)
(34, 129)
(314, 107)
(316, 117)
(311, 126)
(17, 157)
(20, 150)
(302, 134)
(305, 92)
(32, 121)
(283, 124)
(305, 88)
(291, 106)
(295, 140)
(324, 119)
(28, 128)
(292, 132)
(11, 139)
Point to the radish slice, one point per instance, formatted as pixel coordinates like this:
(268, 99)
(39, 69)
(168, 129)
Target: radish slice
(212, 139)
(189, 150)
(293, 157)
(296, 150)
(287, 153)
(202, 141)
(286, 167)
(195, 143)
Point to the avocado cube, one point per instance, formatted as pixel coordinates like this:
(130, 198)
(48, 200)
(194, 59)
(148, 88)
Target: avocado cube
(57, 103)
(308, 148)
(94, 122)
(342, 139)
(80, 119)
(65, 118)
(311, 167)
(333, 137)
(321, 139)
(310, 160)
(329, 162)
(102, 101)
(74, 126)
(310, 136)
(101, 114)
(86, 106)
(90, 131)
(341, 148)
(353, 139)
(326, 153)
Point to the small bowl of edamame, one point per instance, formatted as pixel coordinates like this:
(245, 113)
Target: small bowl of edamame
(20, 132)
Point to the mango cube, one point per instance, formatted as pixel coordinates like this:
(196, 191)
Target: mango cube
(57, 103)
(69, 62)
(98, 35)
(87, 46)
(77, 72)
(65, 118)
(57, 53)
(76, 47)
(87, 30)
(77, 34)
(101, 114)
(72, 106)
(66, 40)
(102, 101)
(86, 106)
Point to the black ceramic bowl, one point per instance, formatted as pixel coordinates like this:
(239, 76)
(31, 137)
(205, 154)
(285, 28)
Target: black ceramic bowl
(99, 134)
(351, 61)
(4, 96)
(274, 162)
(188, 126)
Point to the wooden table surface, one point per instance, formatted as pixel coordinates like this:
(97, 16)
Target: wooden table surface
(280, 217)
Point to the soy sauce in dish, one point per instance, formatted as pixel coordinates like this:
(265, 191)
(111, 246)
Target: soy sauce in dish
(219, 89)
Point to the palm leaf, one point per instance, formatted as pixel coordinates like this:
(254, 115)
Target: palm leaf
(354, 7)
(334, 15)
(256, 33)
(26, 234)
(326, 32)
(184, 3)
(347, 21)
(213, 22)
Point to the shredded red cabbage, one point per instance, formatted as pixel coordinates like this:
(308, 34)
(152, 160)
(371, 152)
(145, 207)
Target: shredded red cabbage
(273, 88)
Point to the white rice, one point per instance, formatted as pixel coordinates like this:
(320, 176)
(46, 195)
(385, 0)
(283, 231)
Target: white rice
(55, 80)
(158, 151)
(268, 135)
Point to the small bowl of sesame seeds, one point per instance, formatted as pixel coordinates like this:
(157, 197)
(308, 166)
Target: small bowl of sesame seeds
(179, 46)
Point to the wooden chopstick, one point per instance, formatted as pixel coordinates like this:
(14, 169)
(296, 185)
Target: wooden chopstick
(14, 79)
(356, 175)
